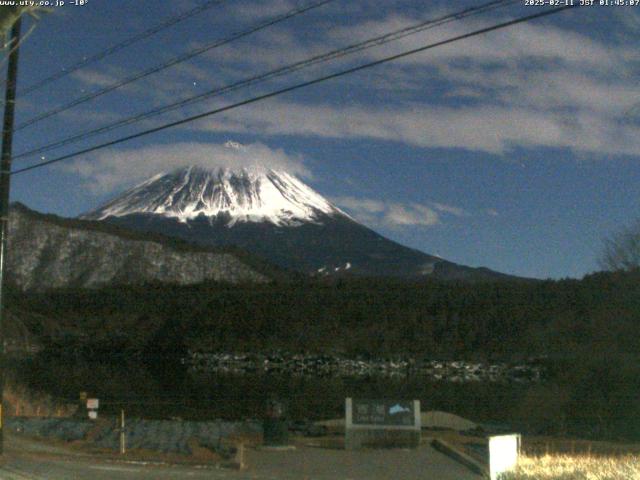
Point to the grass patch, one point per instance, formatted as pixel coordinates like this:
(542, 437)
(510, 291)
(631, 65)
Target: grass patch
(576, 467)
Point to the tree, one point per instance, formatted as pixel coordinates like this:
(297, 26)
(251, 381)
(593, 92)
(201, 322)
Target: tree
(622, 250)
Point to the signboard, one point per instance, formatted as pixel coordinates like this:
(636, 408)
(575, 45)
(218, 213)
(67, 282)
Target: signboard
(93, 403)
(382, 423)
(383, 412)
(503, 454)
(93, 415)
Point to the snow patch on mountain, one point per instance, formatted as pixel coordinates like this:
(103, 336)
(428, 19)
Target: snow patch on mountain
(324, 270)
(252, 194)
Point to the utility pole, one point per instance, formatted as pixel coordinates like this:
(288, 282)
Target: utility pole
(5, 183)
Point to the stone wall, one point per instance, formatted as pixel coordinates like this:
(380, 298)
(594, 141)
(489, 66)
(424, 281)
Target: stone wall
(165, 436)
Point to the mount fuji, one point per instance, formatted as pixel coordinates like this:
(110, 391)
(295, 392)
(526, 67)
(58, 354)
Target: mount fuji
(274, 215)
(247, 195)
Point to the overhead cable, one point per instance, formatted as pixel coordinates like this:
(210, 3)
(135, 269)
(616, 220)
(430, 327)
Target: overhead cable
(279, 72)
(167, 23)
(298, 86)
(174, 61)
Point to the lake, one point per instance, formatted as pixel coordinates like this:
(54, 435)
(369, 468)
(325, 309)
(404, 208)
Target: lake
(168, 388)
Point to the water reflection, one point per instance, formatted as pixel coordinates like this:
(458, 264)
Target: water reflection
(167, 388)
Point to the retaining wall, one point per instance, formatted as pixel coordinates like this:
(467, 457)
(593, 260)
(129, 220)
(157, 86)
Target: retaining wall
(166, 436)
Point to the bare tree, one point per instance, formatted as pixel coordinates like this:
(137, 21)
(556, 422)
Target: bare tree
(622, 250)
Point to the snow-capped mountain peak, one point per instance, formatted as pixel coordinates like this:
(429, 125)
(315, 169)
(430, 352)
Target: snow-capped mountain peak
(273, 215)
(254, 194)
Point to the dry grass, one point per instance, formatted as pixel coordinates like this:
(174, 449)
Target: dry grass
(19, 401)
(540, 446)
(576, 467)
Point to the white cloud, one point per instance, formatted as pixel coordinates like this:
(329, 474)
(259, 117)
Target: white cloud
(540, 40)
(256, 10)
(492, 129)
(365, 205)
(537, 84)
(113, 171)
(390, 214)
(88, 117)
(412, 214)
(253, 10)
(275, 48)
(532, 85)
(450, 209)
(94, 78)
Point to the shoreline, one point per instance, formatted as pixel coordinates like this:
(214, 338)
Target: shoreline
(334, 365)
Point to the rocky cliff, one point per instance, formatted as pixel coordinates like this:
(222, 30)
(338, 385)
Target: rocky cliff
(48, 252)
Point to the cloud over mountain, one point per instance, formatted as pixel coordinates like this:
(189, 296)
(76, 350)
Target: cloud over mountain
(109, 171)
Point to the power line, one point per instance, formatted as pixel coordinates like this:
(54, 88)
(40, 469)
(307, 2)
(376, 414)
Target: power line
(167, 23)
(298, 86)
(174, 61)
(331, 55)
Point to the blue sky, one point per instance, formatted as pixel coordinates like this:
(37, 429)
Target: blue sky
(517, 150)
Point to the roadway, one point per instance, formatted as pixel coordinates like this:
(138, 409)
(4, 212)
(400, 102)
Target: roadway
(35, 460)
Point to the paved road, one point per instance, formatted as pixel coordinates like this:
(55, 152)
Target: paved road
(37, 462)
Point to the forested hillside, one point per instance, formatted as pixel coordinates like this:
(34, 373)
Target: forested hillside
(584, 332)
(368, 317)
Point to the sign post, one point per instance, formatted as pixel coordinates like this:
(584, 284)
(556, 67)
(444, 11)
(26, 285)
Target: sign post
(92, 406)
(504, 451)
(382, 423)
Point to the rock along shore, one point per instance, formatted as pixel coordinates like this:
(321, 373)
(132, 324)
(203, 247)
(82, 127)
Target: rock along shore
(331, 366)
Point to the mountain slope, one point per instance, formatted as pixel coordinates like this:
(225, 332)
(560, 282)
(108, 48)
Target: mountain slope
(50, 252)
(274, 215)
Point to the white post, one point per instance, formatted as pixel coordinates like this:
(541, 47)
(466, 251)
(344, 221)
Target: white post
(123, 447)
(504, 451)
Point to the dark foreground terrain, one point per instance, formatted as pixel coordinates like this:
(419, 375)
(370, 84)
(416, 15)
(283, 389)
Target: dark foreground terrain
(131, 346)
(30, 459)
